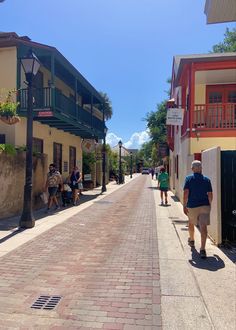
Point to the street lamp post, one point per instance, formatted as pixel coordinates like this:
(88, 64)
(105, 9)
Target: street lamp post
(120, 169)
(30, 65)
(104, 161)
(131, 164)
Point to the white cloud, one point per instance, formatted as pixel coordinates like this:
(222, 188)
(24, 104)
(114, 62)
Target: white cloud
(112, 139)
(135, 141)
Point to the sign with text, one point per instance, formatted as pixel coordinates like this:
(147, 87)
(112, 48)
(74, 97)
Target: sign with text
(175, 116)
(87, 177)
(45, 114)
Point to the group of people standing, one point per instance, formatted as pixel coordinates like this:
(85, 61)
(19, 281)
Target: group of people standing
(197, 200)
(54, 184)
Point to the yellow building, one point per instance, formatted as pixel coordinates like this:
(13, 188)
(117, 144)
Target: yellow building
(67, 108)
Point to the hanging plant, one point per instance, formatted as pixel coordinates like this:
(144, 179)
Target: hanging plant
(8, 109)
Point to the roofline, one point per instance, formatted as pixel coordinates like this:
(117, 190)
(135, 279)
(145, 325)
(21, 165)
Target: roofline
(15, 40)
(211, 57)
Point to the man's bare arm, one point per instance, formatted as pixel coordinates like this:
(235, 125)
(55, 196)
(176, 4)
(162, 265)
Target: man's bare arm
(185, 200)
(210, 196)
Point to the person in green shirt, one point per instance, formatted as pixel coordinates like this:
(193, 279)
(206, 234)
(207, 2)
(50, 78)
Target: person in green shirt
(163, 184)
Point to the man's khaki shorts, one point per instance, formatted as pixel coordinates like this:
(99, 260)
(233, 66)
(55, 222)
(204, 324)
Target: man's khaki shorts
(199, 215)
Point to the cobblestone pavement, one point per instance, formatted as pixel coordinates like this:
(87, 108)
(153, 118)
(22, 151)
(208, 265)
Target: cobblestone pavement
(102, 262)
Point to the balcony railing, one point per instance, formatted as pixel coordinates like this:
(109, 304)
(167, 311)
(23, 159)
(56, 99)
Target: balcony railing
(214, 116)
(42, 100)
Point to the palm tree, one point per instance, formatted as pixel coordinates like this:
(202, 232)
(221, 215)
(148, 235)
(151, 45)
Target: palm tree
(107, 106)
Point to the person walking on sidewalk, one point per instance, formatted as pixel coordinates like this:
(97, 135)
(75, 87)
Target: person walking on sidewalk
(75, 180)
(197, 201)
(163, 184)
(53, 183)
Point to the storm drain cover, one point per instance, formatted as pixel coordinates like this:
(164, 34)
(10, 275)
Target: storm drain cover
(46, 302)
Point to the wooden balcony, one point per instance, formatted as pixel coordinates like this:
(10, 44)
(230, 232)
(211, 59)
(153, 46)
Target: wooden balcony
(53, 108)
(214, 116)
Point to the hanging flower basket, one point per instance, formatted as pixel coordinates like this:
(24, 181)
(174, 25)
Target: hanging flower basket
(10, 120)
(8, 110)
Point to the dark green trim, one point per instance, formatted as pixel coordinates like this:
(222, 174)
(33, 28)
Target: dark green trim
(52, 80)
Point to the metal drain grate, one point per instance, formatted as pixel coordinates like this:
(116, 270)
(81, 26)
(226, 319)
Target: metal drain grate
(46, 302)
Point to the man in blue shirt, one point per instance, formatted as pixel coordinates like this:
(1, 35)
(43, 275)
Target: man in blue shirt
(197, 203)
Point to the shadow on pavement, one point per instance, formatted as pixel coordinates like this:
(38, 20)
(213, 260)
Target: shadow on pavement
(175, 199)
(211, 263)
(15, 232)
(230, 252)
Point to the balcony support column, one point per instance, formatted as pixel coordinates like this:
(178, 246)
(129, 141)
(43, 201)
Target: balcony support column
(52, 83)
(76, 100)
(91, 108)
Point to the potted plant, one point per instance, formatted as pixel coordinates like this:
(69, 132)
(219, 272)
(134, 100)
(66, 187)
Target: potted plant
(8, 109)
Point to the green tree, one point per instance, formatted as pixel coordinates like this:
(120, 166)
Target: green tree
(88, 160)
(156, 124)
(228, 44)
(107, 106)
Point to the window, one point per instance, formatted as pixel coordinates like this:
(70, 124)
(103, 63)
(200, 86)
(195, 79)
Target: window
(215, 97)
(2, 138)
(57, 156)
(37, 145)
(232, 96)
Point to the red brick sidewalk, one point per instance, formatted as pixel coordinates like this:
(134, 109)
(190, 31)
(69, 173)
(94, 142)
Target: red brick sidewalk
(103, 263)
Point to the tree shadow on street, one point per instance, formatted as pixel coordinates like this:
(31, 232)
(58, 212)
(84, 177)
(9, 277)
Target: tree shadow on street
(211, 263)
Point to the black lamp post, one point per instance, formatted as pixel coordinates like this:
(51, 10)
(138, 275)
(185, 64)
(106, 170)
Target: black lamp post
(120, 169)
(131, 164)
(104, 161)
(30, 65)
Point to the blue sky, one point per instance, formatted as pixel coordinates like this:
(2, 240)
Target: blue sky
(122, 47)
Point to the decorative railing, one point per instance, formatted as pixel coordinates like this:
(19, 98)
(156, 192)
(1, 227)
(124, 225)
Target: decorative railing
(214, 116)
(43, 100)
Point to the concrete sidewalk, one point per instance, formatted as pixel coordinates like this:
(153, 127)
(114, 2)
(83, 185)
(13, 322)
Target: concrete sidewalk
(196, 293)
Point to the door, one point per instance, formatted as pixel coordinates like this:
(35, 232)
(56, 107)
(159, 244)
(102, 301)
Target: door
(221, 106)
(38, 91)
(228, 195)
(57, 156)
(72, 158)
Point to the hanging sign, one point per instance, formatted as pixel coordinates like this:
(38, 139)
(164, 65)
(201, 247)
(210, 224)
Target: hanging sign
(45, 114)
(175, 116)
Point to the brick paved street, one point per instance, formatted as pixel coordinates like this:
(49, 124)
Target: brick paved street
(103, 262)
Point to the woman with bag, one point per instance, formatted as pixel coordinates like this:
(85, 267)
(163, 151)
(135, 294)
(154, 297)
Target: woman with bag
(75, 180)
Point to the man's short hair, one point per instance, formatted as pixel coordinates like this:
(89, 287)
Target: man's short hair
(196, 164)
(52, 165)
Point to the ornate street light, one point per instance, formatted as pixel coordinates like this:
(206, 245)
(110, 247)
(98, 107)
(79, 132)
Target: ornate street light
(131, 164)
(30, 65)
(104, 161)
(120, 169)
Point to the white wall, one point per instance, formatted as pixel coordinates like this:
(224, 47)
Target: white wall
(211, 168)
